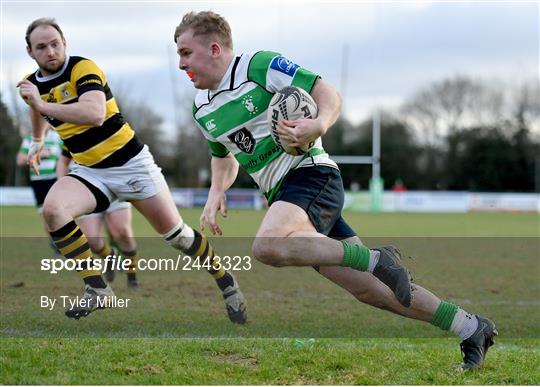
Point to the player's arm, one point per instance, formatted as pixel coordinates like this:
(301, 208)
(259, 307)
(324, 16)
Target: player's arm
(224, 172)
(304, 131)
(39, 125)
(88, 110)
(21, 159)
(22, 154)
(328, 102)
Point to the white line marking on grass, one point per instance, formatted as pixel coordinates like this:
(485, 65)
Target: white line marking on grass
(524, 303)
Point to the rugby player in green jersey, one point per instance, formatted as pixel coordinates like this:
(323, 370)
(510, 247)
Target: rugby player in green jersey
(42, 181)
(303, 225)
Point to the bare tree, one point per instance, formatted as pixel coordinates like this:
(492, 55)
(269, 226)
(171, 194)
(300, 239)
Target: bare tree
(9, 146)
(16, 106)
(526, 105)
(451, 104)
(146, 122)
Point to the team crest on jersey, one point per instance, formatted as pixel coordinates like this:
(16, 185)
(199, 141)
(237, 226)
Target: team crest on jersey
(244, 140)
(247, 101)
(61, 93)
(51, 98)
(64, 90)
(282, 64)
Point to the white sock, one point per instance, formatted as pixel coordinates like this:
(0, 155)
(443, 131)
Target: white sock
(182, 240)
(464, 324)
(373, 260)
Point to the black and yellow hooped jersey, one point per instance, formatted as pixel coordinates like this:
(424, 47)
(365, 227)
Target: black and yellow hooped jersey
(109, 145)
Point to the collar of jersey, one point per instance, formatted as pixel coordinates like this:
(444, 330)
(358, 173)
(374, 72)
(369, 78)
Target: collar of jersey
(226, 80)
(52, 76)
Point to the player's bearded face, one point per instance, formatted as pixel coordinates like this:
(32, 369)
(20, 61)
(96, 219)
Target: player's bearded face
(48, 49)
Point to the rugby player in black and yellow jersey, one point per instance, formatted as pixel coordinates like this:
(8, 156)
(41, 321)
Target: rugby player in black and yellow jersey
(71, 94)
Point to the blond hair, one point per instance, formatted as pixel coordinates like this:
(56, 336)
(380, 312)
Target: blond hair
(207, 24)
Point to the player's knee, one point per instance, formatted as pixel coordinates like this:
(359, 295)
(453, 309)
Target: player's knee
(52, 209)
(95, 244)
(267, 252)
(121, 233)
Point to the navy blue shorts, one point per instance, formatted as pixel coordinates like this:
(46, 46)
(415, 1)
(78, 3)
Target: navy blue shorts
(319, 192)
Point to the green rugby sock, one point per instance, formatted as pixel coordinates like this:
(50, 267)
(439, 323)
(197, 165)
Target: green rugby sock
(355, 256)
(444, 315)
(450, 317)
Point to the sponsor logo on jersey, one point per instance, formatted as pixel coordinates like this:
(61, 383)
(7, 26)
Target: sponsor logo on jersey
(89, 81)
(210, 125)
(252, 163)
(284, 65)
(244, 140)
(247, 101)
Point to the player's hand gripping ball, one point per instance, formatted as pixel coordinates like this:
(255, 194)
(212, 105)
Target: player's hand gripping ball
(290, 103)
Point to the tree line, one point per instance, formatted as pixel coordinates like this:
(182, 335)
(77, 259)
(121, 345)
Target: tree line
(455, 134)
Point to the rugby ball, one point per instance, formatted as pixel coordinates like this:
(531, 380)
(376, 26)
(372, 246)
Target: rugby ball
(290, 103)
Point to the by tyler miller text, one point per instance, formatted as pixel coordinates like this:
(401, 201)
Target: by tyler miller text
(78, 302)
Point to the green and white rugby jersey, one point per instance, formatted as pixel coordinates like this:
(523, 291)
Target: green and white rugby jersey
(233, 117)
(47, 168)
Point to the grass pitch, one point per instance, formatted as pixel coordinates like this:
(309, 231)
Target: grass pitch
(176, 331)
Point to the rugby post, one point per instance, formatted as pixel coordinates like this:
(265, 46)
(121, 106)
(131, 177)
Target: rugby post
(376, 182)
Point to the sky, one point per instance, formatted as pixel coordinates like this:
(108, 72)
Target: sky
(377, 54)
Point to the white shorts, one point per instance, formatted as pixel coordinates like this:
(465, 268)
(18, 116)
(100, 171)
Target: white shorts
(140, 178)
(115, 205)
